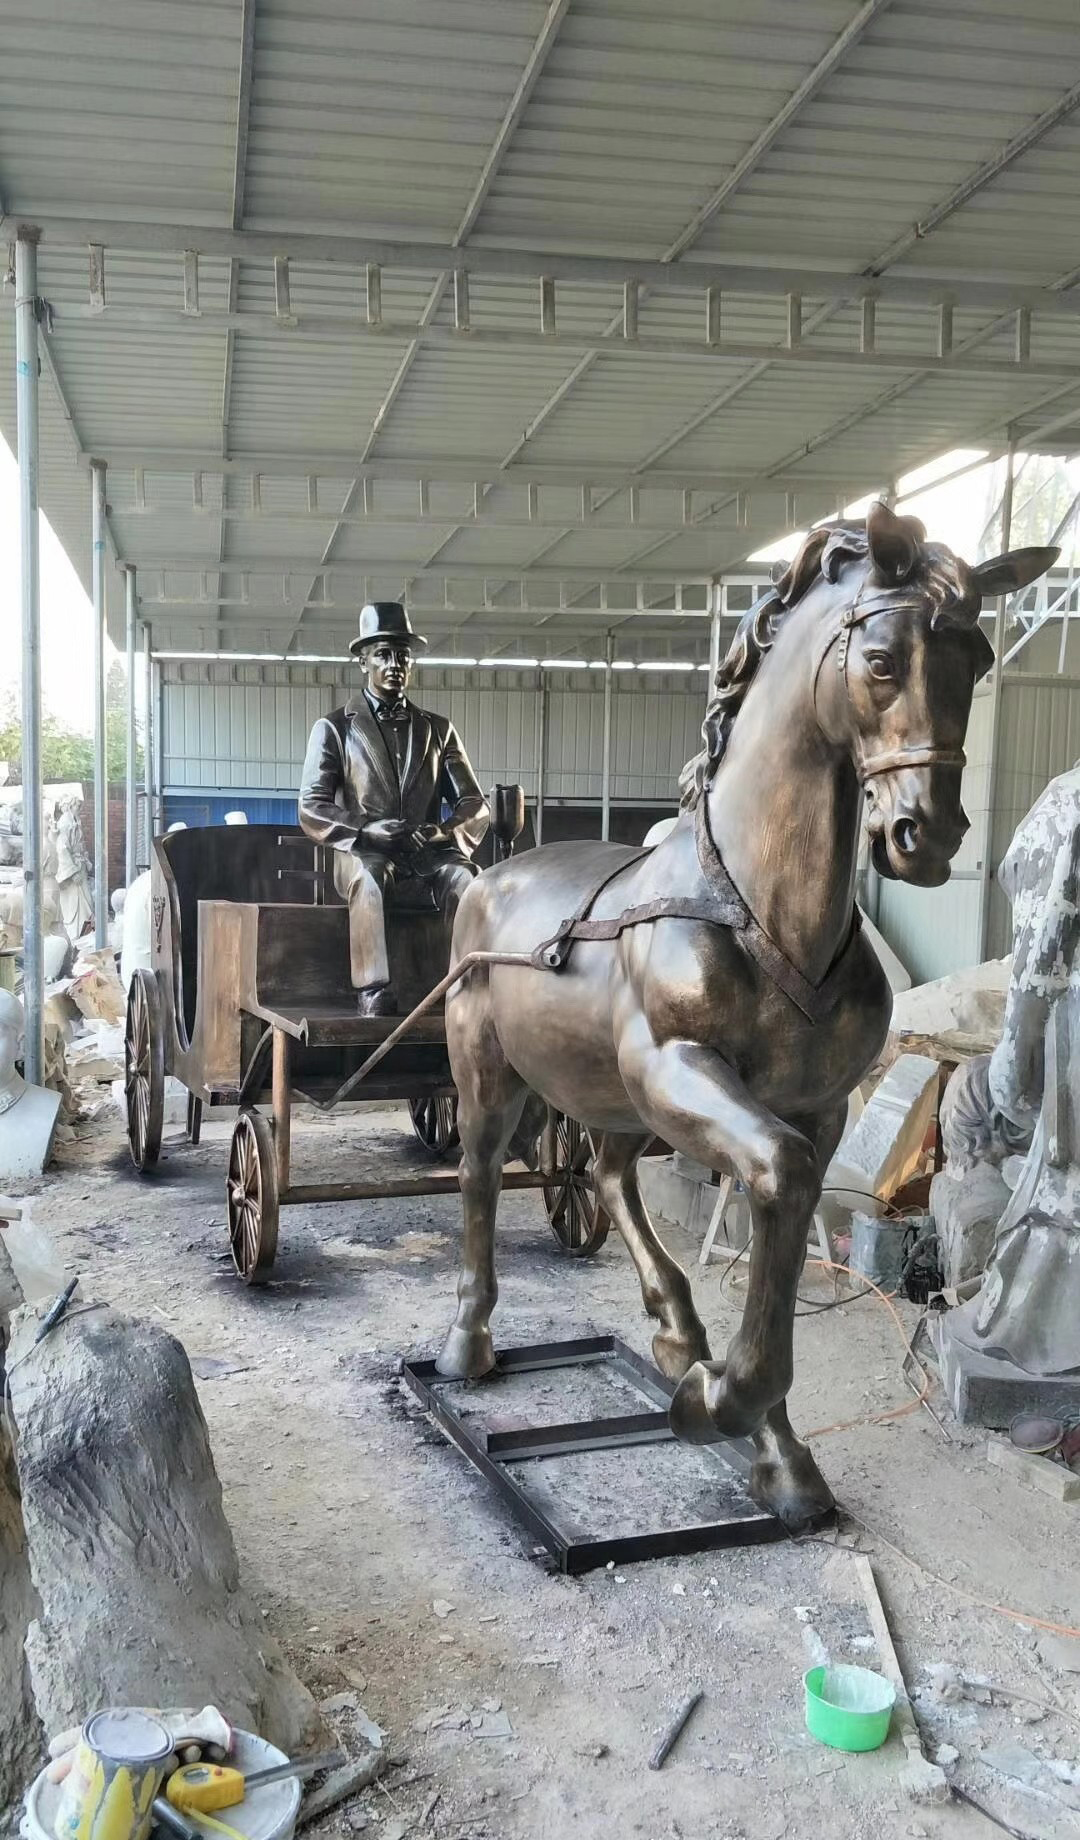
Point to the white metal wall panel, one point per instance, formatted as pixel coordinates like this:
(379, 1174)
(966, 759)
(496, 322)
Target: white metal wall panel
(937, 930)
(246, 726)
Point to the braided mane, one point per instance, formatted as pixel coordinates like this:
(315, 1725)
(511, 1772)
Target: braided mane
(942, 582)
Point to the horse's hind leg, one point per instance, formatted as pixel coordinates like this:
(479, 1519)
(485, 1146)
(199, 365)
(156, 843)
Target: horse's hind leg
(665, 1287)
(490, 1102)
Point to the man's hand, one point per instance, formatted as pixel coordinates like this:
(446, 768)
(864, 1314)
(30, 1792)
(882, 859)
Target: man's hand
(433, 834)
(390, 834)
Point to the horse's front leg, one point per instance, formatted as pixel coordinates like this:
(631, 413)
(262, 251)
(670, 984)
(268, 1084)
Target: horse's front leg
(785, 1477)
(698, 1103)
(665, 1287)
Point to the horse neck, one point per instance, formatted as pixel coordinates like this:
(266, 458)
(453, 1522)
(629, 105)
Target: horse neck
(784, 807)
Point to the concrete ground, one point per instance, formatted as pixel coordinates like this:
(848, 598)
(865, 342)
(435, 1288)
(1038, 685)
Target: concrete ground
(388, 1569)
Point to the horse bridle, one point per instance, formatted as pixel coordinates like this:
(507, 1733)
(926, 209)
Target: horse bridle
(870, 766)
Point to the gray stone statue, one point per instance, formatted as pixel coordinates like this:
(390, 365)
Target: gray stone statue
(72, 867)
(1025, 1319)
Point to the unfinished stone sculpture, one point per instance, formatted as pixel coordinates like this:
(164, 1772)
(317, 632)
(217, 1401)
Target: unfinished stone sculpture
(20, 1727)
(1026, 1317)
(970, 1193)
(716, 991)
(133, 1561)
(28, 1114)
(72, 867)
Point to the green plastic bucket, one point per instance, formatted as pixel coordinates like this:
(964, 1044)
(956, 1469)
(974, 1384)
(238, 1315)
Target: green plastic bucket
(848, 1707)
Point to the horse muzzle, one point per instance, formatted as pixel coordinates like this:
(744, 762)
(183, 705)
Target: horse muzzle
(914, 836)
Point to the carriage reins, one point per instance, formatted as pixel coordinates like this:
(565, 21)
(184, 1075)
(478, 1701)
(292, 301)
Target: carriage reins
(723, 905)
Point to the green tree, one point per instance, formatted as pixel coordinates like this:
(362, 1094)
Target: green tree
(67, 754)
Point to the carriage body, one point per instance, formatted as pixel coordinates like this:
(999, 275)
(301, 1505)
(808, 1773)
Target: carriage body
(248, 1001)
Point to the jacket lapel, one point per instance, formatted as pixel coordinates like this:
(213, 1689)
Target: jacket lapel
(416, 753)
(363, 727)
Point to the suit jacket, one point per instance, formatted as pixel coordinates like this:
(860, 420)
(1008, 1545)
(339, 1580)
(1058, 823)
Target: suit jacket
(350, 778)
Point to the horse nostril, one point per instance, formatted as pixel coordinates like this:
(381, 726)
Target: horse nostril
(905, 835)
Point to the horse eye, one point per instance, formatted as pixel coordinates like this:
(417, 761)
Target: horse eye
(880, 665)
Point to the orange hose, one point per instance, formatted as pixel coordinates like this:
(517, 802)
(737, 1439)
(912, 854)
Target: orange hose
(909, 1405)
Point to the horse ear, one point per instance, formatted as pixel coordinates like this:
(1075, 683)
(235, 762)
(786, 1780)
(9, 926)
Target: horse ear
(1016, 569)
(894, 543)
(800, 572)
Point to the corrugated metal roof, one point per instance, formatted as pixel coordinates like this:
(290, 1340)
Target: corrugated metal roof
(705, 131)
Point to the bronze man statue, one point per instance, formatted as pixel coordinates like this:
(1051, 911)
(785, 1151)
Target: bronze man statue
(377, 777)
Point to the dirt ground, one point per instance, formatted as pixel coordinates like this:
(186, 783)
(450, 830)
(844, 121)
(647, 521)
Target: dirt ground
(389, 1570)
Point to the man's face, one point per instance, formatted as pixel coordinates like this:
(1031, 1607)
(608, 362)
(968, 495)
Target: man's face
(387, 665)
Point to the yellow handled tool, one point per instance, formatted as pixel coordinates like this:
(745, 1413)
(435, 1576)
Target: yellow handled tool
(203, 1788)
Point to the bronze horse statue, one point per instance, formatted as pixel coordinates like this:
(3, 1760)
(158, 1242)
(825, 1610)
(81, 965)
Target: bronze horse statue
(716, 991)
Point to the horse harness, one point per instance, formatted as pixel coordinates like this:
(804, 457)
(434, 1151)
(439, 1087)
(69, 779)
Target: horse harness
(723, 905)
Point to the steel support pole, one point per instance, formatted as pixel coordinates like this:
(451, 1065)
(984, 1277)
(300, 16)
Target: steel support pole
(541, 756)
(715, 600)
(605, 773)
(130, 840)
(986, 868)
(101, 776)
(148, 745)
(26, 394)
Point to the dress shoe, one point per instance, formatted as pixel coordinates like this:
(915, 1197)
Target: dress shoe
(377, 1000)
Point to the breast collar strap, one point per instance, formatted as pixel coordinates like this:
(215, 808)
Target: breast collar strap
(869, 766)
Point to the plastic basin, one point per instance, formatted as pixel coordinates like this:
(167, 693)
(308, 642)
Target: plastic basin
(848, 1707)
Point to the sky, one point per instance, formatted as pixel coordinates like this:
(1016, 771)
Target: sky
(956, 511)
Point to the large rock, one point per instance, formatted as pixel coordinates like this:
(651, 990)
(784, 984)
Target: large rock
(135, 1568)
(20, 1729)
(953, 1017)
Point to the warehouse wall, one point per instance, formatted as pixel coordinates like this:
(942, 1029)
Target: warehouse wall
(244, 727)
(936, 930)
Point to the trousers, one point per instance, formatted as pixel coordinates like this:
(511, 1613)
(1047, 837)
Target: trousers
(361, 878)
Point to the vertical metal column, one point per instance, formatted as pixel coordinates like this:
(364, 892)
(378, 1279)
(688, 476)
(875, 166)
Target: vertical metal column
(130, 841)
(148, 745)
(605, 773)
(715, 600)
(101, 772)
(986, 875)
(541, 755)
(26, 393)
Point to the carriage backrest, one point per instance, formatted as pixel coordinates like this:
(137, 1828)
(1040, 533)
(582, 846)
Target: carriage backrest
(228, 862)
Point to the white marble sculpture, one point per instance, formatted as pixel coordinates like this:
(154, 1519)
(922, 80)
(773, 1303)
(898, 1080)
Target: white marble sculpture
(116, 924)
(27, 1113)
(72, 867)
(1027, 1312)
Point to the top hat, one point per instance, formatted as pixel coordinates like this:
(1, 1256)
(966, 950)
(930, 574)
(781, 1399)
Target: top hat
(384, 620)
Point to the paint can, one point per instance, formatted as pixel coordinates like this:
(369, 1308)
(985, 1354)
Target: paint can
(117, 1770)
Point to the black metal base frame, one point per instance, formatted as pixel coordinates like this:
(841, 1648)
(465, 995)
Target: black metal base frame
(490, 1453)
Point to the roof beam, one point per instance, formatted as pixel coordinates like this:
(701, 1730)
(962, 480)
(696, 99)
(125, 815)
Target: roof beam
(677, 277)
(320, 327)
(434, 468)
(758, 148)
(527, 82)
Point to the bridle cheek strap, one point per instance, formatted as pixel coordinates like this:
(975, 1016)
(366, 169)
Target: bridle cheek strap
(869, 766)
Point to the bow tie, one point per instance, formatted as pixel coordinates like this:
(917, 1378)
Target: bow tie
(392, 712)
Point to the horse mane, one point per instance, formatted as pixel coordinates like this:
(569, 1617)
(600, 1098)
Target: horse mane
(938, 578)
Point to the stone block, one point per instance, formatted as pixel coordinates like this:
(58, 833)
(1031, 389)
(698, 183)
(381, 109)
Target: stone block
(885, 1147)
(988, 1390)
(141, 1600)
(1040, 1473)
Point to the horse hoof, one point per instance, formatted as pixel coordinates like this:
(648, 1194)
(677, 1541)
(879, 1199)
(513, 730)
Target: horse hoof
(707, 1410)
(675, 1354)
(793, 1488)
(466, 1354)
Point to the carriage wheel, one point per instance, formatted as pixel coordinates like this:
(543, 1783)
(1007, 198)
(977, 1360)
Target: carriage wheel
(251, 1198)
(578, 1221)
(435, 1122)
(144, 1070)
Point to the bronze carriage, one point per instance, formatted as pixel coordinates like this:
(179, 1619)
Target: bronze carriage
(248, 1000)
